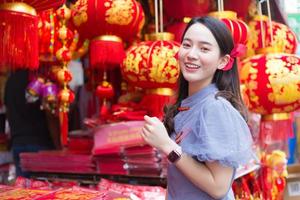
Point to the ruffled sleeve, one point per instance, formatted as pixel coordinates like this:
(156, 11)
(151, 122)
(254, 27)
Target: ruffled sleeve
(221, 134)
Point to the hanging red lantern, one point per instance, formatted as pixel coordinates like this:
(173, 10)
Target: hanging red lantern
(273, 89)
(238, 28)
(153, 66)
(177, 29)
(260, 36)
(178, 9)
(122, 18)
(240, 7)
(18, 32)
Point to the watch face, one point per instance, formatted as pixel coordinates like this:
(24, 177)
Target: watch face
(173, 156)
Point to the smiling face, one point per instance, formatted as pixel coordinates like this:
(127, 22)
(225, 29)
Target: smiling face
(199, 57)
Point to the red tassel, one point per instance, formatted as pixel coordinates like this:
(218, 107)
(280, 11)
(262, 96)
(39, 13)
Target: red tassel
(104, 109)
(106, 50)
(154, 103)
(18, 40)
(275, 132)
(63, 119)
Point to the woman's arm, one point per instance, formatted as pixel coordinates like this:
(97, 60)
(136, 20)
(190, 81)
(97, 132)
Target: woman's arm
(211, 177)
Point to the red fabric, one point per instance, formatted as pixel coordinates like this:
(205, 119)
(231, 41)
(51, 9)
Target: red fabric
(237, 51)
(18, 40)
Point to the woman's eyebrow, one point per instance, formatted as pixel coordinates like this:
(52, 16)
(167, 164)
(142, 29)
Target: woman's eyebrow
(200, 42)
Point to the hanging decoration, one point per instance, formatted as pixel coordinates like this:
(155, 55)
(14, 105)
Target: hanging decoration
(238, 28)
(152, 65)
(108, 24)
(264, 33)
(18, 32)
(178, 9)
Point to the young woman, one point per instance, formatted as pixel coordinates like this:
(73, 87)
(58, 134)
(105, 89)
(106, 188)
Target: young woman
(205, 135)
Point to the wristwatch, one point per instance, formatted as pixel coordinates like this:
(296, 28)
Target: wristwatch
(174, 155)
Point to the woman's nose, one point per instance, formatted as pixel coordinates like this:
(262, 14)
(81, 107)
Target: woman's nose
(193, 53)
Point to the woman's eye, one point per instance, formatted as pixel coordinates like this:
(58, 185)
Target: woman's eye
(204, 49)
(185, 45)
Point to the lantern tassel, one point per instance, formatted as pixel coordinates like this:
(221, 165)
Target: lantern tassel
(159, 98)
(274, 130)
(18, 40)
(106, 50)
(63, 119)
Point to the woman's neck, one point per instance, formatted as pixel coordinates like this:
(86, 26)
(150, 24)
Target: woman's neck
(195, 87)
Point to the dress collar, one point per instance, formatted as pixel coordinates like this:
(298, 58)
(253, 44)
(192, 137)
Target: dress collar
(198, 96)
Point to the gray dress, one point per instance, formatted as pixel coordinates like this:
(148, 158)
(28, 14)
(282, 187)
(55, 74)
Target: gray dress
(213, 130)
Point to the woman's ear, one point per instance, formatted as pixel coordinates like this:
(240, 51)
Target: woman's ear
(224, 61)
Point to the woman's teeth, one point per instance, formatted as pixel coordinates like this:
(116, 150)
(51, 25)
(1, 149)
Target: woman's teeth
(192, 66)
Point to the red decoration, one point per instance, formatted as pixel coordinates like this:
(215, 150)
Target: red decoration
(106, 17)
(106, 51)
(260, 36)
(18, 36)
(240, 7)
(57, 42)
(178, 9)
(64, 76)
(238, 28)
(273, 91)
(38, 5)
(152, 64)
(177, 29)
(105, 90)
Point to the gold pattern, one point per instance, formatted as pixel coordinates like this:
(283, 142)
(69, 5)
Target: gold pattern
(224, 14)
(113, 38)
(276, 116)
(18, 7)
(161, 91)
(120, 12)
(80, 14)
(284, 82)
(160, 36)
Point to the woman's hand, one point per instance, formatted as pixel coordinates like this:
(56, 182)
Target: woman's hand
(155, 134)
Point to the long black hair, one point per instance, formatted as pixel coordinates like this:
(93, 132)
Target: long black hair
(226, 81)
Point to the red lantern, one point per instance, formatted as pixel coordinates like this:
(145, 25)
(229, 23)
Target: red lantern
(260, 36)
(273, 90)
(238, 28)
(152, 64)
(240, 7)
(123, 18)
(37, 5)
(177, 29)
(178, 9)
(18, 32)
